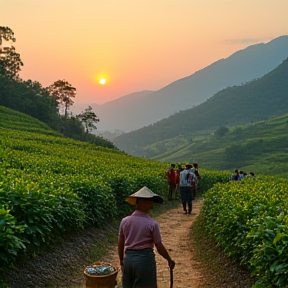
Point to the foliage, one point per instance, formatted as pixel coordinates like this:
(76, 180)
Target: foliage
(221, 132)
(63, 92)
(72, 127)
(29, 97)
(221, 270)
(89, 118)
(50, 185)
(7, 34)
(10, 62)
(209, 178)
(248, 219)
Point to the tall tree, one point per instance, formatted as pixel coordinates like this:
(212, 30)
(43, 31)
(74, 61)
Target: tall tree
(89, 119)
(63, 92)
(10, 61)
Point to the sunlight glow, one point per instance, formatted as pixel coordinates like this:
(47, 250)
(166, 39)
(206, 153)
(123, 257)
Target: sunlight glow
(102, 81)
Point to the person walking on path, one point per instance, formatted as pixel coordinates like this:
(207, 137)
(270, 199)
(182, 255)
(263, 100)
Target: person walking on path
(185, 188)
(138, 233)
(171, 177)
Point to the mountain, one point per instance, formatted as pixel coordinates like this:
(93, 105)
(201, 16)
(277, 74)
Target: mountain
(250, 102)
(141, 109)
(113, 114)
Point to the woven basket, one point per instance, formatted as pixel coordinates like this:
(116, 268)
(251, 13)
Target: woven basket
(101, 281)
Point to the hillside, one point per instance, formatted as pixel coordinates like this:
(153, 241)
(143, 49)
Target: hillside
(143, 108)
(52, 187)
(251, 102)
(17, 121)
(261, 147)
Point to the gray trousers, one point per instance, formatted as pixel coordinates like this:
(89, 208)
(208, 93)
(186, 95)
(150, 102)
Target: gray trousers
(186, 198)
(139, 269)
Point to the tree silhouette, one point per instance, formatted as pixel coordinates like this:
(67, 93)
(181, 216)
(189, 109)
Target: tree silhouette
(10, 62)
(89, 118)
(63, 92)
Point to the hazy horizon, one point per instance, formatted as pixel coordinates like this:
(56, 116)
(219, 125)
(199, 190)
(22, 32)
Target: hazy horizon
(135, 45)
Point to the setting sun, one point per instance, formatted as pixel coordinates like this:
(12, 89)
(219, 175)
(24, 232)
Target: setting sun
(102, 81)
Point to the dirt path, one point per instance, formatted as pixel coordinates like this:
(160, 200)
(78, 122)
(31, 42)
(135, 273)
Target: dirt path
(64, 266)
(175, 229)
(57, 269)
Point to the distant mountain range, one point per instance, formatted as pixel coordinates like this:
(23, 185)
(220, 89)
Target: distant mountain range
(257, 100)
(140, 109)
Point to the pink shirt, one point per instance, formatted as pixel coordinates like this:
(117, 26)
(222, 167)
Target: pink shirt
(140, 231)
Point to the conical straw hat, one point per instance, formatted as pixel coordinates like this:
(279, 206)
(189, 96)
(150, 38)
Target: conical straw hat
(144, 193)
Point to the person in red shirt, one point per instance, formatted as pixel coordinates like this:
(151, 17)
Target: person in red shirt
(171, 177)
(138, 233)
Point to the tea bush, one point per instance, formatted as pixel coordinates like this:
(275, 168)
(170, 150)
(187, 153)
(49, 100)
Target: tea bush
(248, 219)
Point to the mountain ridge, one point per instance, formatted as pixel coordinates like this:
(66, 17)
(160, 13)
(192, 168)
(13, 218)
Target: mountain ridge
(244, 65)
(253, 101)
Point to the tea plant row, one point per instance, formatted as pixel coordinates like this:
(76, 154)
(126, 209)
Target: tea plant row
(249, 220)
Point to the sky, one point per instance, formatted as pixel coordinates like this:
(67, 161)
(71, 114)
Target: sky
(135, 45)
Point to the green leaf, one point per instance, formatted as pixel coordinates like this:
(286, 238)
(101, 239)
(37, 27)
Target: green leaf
(277, 237)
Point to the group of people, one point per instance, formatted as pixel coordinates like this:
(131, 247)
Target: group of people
(186, 181)
(239, 175)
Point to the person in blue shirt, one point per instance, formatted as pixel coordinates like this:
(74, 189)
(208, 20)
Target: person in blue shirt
(185, 188)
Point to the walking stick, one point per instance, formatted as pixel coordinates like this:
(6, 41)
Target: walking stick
(171, 278)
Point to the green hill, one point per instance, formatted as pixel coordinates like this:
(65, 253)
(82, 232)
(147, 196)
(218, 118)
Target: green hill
(254, 101)
(32, 99)
(261, 147)
(14, 120)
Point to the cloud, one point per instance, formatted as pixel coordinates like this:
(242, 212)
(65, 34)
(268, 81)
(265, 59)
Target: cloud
(248, 40)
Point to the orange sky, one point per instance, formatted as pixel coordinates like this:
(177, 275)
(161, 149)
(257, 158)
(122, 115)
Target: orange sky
(135, 44)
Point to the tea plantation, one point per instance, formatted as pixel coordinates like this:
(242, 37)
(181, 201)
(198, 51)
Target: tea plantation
(52, 186)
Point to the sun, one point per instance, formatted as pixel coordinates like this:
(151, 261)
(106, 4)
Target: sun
(102, 81)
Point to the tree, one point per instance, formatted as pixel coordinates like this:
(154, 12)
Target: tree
(221, 132)
(10, 62)
(63, 92)
(89, 118)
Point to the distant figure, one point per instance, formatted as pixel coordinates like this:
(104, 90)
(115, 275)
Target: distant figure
(241, 175)
(185, 188)
(171, 177)
(235, 176)
(251, 174)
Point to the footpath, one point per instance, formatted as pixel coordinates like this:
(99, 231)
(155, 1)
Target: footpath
(175, 230)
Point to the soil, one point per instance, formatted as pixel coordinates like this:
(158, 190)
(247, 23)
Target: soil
(64, 267)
